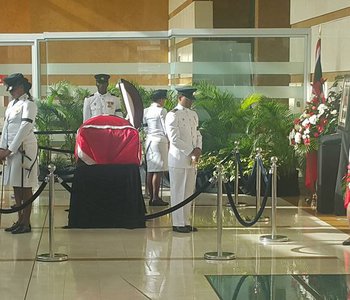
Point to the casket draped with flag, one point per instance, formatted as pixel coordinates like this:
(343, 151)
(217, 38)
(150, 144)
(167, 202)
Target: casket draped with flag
(108, 139)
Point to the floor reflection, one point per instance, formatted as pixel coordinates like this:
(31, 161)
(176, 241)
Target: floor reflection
(280, 287)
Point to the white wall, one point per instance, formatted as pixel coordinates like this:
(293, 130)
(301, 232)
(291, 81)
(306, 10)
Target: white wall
(301, 10)
(173, 4)
(335, 45)
(198, 14)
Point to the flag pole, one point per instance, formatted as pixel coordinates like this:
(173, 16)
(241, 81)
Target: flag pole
(319, 31)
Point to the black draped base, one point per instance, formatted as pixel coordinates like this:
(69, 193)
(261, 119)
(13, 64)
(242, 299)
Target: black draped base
(342, 170)
(107, 196)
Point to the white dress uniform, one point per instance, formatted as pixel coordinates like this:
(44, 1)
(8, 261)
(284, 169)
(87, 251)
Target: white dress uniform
(18, 136)
(156, 145)
(183, 134)
(98, 104)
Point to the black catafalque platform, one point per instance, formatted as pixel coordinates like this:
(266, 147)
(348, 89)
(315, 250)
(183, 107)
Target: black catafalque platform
(106, 196)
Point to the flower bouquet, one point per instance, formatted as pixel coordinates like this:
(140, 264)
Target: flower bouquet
(320, 117)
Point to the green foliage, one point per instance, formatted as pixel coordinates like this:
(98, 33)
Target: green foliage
(224, 121)
(62, 109)
(268, 128)
(256, 122)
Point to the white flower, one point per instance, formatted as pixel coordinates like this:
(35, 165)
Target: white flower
(307, 131)
(292, 134)
(333, 112)
(321, 109)
(297, 138)
(313, 119)
(305, 122)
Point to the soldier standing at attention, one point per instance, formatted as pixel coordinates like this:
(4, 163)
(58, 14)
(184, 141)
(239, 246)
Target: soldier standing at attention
(185, 148)
(101, 102)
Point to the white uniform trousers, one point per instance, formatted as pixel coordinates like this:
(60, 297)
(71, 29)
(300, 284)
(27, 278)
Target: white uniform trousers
(182, 185)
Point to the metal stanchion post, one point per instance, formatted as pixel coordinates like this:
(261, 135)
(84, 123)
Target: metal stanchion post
(51, 256)
(219, 255)
(258, 185)
(274, 237)
(237, 203)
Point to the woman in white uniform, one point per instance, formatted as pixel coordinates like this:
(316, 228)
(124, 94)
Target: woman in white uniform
(156, 146)
(19, 147)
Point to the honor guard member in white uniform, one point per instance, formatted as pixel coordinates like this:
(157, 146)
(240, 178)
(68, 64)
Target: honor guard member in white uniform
(101, 102)
(184, 150)
(156, 146)
(19, 147)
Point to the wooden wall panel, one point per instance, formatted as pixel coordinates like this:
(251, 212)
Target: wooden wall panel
(15, 55)
(107, 51)
(35, 16)
(233, 14)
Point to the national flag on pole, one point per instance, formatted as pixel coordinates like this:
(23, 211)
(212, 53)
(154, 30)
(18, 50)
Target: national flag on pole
(318, 81)
(317, 97)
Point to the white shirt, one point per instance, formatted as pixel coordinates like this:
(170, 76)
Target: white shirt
(19, 123)
(98, 104)
(182, 129)
(154, 118)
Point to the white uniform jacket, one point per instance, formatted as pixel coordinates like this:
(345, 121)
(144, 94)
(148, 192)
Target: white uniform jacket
(182, 129)
(98, 104)
(154, 119)
(18, 136)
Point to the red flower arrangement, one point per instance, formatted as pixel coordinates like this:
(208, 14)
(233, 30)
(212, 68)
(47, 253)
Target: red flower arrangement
(320, 117)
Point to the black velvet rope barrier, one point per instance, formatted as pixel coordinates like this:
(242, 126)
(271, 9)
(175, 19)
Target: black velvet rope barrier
(238, 287)
(179, 205)
(65, 185)
(262, 283)
(56, 132)
(27, 202)
(46, 132)
(56, 149)
(263, 204)
(190, 198)
(263, 170)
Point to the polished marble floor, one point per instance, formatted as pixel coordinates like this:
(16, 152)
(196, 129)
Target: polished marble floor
(157, 263)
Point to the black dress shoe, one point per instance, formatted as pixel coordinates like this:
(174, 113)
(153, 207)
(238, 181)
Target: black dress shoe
(181, 229)
(22, 229)
(193, 229)
(158, 202)
(347, 242)
(13, 227)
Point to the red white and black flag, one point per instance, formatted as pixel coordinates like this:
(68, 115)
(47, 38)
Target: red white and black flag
(318, 81)
(317, 98)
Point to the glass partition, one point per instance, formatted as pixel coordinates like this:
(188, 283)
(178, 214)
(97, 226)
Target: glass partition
(272, 62)
(274, 66)
(144, 62)
(14, 58)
